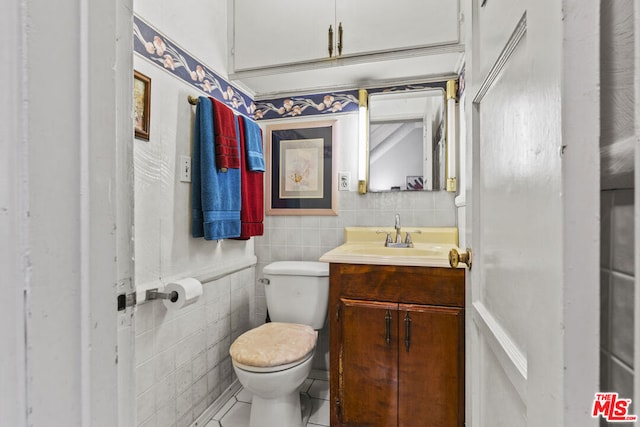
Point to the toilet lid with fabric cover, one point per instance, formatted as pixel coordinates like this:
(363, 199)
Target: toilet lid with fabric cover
(274, 344)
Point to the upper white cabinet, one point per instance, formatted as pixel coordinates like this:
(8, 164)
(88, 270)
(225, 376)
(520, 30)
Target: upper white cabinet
(270, 33)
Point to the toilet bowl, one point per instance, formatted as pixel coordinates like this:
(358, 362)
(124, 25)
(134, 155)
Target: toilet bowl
(276, 399)
(273, 360)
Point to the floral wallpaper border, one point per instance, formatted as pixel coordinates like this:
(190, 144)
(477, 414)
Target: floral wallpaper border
(325, 103)
(164, 52)
(307, 105)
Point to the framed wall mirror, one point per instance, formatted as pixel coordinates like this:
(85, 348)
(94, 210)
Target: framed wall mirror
(407, 140)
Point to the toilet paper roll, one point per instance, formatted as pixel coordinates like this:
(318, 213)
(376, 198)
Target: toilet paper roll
(188, 289)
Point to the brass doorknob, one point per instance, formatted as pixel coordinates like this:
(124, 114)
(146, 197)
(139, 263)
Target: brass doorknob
(455, 258)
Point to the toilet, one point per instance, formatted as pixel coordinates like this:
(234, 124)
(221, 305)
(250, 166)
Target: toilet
(273, 360)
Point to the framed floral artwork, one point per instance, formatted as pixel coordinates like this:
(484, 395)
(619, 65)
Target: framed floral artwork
(141, 105)
(300, 163)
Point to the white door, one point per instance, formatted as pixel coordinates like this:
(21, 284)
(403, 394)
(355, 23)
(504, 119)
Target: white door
(532, 294)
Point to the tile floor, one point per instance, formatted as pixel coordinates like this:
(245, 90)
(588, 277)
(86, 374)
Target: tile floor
(314, 391)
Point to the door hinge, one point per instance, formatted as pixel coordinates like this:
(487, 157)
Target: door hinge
(126, 300)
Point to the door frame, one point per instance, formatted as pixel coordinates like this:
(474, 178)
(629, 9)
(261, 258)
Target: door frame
(636, 337)
(581, 190)
(64, 261)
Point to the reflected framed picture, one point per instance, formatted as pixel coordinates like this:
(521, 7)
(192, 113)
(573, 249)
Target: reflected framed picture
(300, 169)
(415, 183)
(141, 105)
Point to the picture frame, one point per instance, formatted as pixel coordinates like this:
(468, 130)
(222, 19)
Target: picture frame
(415, 183)
(301, 160)
(141, 105)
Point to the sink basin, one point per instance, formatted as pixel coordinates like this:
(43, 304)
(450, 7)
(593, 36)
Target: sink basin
(365, 245)
(418, 250)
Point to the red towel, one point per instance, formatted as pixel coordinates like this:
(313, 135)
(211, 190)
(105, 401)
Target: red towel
(251, 193)
(225, 138)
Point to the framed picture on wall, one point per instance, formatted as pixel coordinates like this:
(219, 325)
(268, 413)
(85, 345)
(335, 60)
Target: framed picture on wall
(300, 163)
(141, 104)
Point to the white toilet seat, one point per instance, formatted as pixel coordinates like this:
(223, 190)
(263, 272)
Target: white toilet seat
(268, 369)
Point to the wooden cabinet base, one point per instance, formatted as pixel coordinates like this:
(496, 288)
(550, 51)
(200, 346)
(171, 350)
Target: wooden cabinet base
(397, 346)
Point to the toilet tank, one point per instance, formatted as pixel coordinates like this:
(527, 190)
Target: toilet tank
(297, 292)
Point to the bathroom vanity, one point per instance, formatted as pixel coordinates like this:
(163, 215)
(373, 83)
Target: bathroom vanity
(396, 342)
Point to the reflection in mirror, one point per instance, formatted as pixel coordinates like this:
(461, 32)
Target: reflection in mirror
(407, 141)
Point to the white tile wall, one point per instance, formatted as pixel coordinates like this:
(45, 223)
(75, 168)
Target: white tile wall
(617, 206)
(617, 292)
(182, 361)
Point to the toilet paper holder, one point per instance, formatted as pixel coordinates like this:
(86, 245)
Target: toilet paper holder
(152, 294)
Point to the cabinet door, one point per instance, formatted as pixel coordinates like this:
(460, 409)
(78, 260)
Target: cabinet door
(382, 25)
(431, 366)
(368, 361)
(277, 32)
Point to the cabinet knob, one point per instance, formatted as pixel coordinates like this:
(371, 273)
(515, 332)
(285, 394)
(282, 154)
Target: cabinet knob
(455, 258)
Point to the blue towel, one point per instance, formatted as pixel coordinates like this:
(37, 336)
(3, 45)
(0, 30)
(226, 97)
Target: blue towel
(253, 146)
(215, 194)
(199, 132)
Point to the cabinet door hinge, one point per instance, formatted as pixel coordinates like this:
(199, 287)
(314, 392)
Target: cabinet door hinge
(126, 300)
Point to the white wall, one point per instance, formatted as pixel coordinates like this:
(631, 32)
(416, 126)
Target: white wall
(182, 363)
(617, 292)
(617, 144)
(163, 244)
(618, 95)
(198, 26)
(182, 357)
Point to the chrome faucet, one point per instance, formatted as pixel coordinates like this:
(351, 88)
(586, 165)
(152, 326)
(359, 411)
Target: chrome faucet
(397, 242)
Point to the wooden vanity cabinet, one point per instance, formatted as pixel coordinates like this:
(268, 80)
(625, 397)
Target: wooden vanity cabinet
(397, 346)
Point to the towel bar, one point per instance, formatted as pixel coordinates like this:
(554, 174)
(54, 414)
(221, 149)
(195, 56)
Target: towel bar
(193, 100)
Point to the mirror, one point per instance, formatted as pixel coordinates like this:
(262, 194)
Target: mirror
(407, 140)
